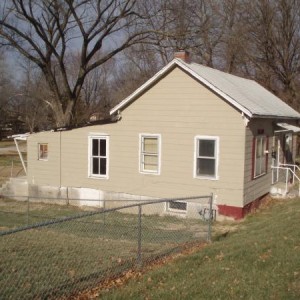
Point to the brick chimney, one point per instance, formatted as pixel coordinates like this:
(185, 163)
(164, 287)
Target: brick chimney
(183, 55)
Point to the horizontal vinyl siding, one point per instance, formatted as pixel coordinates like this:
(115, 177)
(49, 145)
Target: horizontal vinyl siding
(44, 172)
(257, 187)
(178, 108)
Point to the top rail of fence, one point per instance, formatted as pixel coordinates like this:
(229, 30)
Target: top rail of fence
(102, 211)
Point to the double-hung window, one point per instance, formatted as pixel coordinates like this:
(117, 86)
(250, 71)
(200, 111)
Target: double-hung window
(43, 151)
(260, 156)
(150, 153)
(98, 156)
(206, 157)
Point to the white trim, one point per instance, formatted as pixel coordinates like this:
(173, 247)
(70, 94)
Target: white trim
(16, 139)
(21, 137)
(143, 87)
(158, 136)
(287, 127)
(264, 157)
(217, 154)
(39, 152)
(215, 89)
(184, 66)
(96, 134)
(90, 138)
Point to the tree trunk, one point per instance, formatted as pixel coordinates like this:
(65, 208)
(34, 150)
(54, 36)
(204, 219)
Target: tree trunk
(63, 117)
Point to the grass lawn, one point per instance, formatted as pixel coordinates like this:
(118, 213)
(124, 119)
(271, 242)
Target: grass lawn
(6, 143)
(259, 259)
(14, 213)
(10, 143)
(10, 165)
(64, 258)
(6, 160)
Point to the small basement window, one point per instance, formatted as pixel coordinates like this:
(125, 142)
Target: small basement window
(177, 206)
(43, 151)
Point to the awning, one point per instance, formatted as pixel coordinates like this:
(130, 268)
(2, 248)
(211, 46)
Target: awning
(287, 127)
(21, 137)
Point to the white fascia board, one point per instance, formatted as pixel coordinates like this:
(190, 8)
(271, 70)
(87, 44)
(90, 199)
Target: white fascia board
(22, 137)
(255, 116)
(288, 127)
(143, 87)
(215, 89)
(182, 65)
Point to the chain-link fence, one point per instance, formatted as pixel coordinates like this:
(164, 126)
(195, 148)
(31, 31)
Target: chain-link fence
(51, 251)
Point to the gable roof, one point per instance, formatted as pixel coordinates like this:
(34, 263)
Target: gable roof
(244, 94)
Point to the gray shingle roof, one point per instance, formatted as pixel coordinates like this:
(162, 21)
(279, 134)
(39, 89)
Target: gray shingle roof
(249, 94)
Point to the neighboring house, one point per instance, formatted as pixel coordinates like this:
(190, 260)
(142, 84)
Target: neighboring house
(189, 130)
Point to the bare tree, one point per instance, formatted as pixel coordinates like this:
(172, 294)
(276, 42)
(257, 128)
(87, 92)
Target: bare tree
(7, 88)
(29, 103)
(47, 31)
(196, 26)
(275, 39)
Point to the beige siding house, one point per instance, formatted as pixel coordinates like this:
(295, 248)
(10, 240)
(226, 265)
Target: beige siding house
(190, 130)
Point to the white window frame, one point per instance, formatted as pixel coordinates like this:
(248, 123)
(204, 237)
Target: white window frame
(263, 158)
(168, 208)
(90, 145)
(216, 157)
(39, 151)
(141, 168)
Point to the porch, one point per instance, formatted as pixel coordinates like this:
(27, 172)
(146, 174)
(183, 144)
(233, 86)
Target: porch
(285, 181)
(285, 171)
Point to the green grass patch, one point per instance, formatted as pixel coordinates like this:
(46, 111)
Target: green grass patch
(64, 258)
(258, 259)
(9, 159)
(11, 143)
(6, 143)
(15, 214)
(10, 166)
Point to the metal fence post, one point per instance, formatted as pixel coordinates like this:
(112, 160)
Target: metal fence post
(210, 217)
(12, 168)
(139, 237)
(27, 210)
(104, 216)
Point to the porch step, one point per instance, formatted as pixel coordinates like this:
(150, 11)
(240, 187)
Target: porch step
(279, 190)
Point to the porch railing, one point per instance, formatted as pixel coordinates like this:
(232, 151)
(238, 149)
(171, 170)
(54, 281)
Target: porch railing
(289, 169)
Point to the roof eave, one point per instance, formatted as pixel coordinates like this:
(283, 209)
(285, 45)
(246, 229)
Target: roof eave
(184, 66)
(257, 116)
(143, 87)
(162, 72)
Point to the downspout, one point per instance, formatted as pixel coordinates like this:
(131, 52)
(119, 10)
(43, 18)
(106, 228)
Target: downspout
(60, 159)
(60, 167)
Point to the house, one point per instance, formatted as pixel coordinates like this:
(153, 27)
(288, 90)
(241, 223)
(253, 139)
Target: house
(189, 130)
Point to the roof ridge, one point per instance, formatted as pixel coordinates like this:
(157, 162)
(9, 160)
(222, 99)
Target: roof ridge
(218, 70)
(246, 95)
